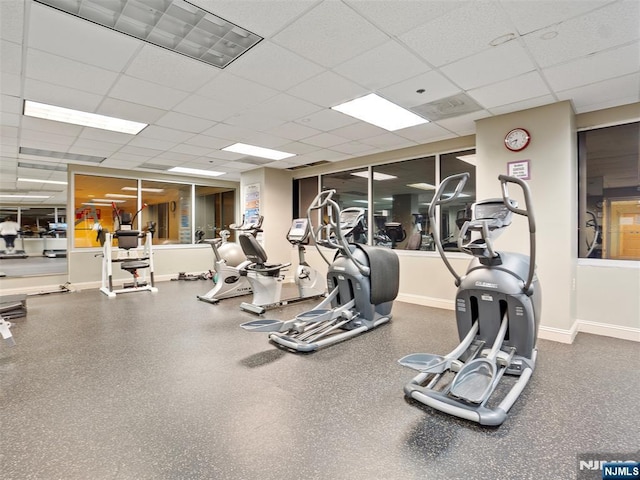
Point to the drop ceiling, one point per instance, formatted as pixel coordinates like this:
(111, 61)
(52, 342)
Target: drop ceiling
(503, 56)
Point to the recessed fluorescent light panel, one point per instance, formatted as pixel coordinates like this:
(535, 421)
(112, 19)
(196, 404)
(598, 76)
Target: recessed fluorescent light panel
(109, 201)
(35, 180)
(380, 112)
(150, 190)
(176, 25)
(195, 171)
(119, 195)
(85, 119)
(258, 151)
(422, 186)
(376, 175)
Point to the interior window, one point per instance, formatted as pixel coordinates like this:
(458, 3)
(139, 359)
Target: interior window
(609, 192)
(402, 192)
(453, 215)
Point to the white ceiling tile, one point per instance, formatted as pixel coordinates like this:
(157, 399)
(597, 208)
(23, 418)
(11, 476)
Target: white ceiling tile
(185, 123)
(330, 34)
(10, 104)
(146, 93)
(129, 111)
(326, 120)
(594, 68)
(293, 131)
(430, 132)
(489, 66)
(50, 68)
(92, 147)
(190, 149)
(51, 126)
(263, 18)
(605, 94)
(54, 31)
(434, 84)
(353, 148)
(268, 141)
(229, 132)
(274, 67)
(67, 97)
(167, 134)
(615, 24)
(531, 16)
(10, 119)
(244, 92)
(173, 157)
(171, 69)
(11, 20)
(32, 138)
(128, 157)
(327, 89)
(113, 162)
(382, 66)
(139, 151)
(286, 107)
(206, 141)
(523, 105)
(465, 124)
(105, 136)
(254, 121)
(397, 17)
(11, 57)
(10, 84)
(152, 143)
(207, 108)
(299, 148)
(524, 87)
(358, 131)
(475, 25)
(324, 140)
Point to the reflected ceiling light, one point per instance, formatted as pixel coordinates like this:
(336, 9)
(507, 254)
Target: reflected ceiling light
(360, 201)
(119, 195)
(460, 195)
(91, 204)
(25, 196)
(380, 112)
(470, 159)
(422, 186)
(85, 119)
(108, 200)
(150, 190)
(35, 180)
(376, 175)
(176, 25)
(195, 171)
(258, 151)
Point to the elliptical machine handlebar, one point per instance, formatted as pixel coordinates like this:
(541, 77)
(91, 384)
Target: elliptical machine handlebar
(437, 200)
(322, 200)
(526, 212)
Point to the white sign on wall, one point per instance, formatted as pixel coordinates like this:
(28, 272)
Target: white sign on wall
(519, 169)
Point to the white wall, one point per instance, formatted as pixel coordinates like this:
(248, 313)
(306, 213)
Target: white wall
(553, 169)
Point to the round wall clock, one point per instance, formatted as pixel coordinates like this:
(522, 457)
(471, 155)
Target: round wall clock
(517, 139)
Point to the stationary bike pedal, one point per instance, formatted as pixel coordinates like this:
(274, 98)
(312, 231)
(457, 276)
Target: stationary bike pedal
(456, 365)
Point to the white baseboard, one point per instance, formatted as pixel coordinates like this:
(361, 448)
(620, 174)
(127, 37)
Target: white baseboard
(558, 334)
(607, 330)
(426, 301)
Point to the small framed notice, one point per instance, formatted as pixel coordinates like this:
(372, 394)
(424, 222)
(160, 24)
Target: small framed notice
(519, 169)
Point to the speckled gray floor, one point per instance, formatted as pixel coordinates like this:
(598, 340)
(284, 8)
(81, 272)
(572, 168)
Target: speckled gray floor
(162, 386)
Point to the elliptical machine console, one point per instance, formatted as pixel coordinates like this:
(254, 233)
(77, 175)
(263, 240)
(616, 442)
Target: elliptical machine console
(497, 313)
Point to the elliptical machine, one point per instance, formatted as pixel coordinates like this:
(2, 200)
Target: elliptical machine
(229, 263)
(497, 312)
(362, 280)
(266, 281)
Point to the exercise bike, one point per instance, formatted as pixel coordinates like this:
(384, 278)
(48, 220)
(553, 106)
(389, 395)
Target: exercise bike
(266, 281)
(362, 282)
(229, 263)
(497, 312)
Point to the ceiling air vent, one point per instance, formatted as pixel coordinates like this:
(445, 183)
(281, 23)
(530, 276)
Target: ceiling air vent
(449, 107)
(61, 155)
(312, 164)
